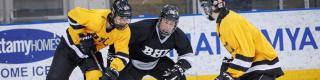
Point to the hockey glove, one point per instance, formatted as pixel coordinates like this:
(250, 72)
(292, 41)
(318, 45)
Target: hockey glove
(177, 71)
(224, 66)
(110, 74)
(224, 76)
(87, 45)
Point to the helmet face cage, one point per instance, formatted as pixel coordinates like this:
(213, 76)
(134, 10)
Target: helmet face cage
(122, 9)
(169, 12)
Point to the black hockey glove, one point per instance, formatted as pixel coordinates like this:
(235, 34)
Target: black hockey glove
(177, 71)
(110, 74)
(87, 45)
(224, 66)
(224, 76)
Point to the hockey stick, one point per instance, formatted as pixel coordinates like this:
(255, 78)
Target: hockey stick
(104, 71)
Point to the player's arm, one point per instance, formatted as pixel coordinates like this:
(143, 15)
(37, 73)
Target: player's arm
(185, 54)
(184, 50)
(77, 20)
(121, 56)
(239, 43)
(86, 20)
(82, 42)
(79, 40)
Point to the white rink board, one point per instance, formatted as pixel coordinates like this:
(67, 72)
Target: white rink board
(301, 51)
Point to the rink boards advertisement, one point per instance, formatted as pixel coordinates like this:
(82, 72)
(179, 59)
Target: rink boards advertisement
(26, 50)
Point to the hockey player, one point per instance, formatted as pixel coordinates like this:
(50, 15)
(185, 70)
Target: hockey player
(151, 40)
(253, 57)
(91, 30)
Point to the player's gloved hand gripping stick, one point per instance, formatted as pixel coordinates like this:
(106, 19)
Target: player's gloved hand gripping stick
(177, 71)
(88, 47)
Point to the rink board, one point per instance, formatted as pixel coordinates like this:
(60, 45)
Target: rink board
(26, 50)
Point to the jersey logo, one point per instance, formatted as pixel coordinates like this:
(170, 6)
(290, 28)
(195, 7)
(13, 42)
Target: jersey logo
(156, 53)
(99, 39)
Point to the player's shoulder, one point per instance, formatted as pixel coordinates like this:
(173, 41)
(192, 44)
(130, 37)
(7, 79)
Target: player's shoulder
(144, 25)
(178, 31)
(126, 30)
(83, 15)
(80, 10)
(233, 17)
(143, 29)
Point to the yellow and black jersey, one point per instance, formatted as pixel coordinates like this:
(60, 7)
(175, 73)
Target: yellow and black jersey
(250, 50)
(94, 22)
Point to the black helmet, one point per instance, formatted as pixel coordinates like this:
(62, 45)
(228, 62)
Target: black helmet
(120, 8)
(170, 12)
